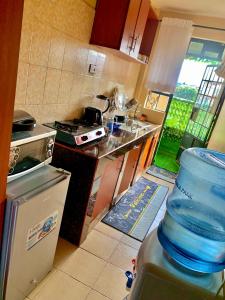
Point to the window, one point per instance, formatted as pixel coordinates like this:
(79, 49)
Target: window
(205, 49)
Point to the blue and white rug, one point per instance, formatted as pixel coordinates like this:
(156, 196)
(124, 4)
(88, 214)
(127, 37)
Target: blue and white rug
(162, 174)
(134, 213)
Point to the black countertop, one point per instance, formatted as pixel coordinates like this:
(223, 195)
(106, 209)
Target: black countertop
(116, 143)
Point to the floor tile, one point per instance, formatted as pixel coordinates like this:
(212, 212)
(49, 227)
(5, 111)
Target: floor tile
(122, 257)
(84, 267)
(112, 283)
(44, 282)
(63, 251)
(130, 242)
(109, 231)
(61, 286)
(93, 295)
(99, 244)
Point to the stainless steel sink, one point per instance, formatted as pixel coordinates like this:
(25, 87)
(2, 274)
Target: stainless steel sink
(137, 126)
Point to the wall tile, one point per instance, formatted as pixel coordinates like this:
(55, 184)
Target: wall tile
(81, 60)
(25, 43)
(52, 86)
(55, 35)
(21, 86)
(76, 89)
(36, 84)
(79, 28)
(65, 87)
(101, 58)
(69, 62)
(92, 57)
(90, 85)
(57, 48)
(40, 44)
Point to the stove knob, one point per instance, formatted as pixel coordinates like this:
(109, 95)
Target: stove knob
(98, 132)
(84, 138)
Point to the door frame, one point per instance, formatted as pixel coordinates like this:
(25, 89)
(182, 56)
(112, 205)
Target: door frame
(170, 96)
(11, 13)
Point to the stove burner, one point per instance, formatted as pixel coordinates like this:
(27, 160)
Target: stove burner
(76, 132)
(66, 126)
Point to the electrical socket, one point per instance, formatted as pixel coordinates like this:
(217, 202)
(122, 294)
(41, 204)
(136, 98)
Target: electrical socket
(92, 69)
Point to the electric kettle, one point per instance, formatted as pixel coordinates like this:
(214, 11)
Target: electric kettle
(92, 116)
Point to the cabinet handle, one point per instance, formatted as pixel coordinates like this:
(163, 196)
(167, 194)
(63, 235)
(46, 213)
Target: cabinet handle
(136, 147)
(129, 45)
(134, 43)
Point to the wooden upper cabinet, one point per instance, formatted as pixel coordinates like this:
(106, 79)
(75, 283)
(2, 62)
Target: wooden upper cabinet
(120, 25)
(128, 36)
(109, 23)
(149, 34)
(140, 27)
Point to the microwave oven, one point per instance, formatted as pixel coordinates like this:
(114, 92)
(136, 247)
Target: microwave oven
(30, 150)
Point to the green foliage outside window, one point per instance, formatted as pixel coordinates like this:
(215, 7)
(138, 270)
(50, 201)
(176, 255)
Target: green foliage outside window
(186, 92)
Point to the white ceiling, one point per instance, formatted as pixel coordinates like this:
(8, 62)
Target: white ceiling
(213, 8)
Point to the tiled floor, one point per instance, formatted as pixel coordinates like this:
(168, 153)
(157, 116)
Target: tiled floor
(95, 271)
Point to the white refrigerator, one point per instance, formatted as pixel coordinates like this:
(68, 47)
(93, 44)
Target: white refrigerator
(33, 216)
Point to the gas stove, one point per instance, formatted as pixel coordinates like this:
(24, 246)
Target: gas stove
(76, 132)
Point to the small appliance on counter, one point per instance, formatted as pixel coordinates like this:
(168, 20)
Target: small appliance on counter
(34, 209)
(22, 121)
(76, 132)
(30, 150)
(92, 116)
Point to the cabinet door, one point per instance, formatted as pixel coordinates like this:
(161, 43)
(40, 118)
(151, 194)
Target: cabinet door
(130, 25)
(139, 28)
(107, 186)
(148, 36)
(109, 22)
(143, 158)
(130, 168)
(152, 150)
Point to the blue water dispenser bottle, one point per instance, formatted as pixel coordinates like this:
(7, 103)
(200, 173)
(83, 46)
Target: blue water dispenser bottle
(192, 232)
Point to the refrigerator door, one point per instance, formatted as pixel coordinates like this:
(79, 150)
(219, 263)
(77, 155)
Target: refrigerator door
(34, 212)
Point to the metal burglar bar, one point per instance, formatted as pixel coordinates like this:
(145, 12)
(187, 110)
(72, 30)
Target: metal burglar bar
(205, 111)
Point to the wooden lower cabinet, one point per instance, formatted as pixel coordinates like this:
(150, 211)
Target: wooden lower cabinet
(130, 168)
(152, 149)
(146, 157)
(95, 183)
(107, 186)
(143, 158)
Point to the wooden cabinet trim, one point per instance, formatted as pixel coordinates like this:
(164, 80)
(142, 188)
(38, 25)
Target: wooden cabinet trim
(130, 26)
(120, 25)
(109, 23)
(140, 27)
(11, 12)
(148, 36)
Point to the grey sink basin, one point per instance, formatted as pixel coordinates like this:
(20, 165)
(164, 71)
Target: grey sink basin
(137, 127)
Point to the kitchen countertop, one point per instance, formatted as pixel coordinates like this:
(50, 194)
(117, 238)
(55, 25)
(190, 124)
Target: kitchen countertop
(115, 144)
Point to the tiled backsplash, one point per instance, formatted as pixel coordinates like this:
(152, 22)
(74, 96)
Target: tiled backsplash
(53, 79)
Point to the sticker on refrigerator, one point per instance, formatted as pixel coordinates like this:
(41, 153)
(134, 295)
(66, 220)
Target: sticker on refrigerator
(41, 230)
